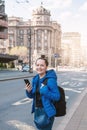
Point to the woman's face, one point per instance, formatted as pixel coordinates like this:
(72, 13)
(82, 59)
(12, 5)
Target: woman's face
(41, 67)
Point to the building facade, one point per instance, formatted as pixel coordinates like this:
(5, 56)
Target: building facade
(3, 27)
(4, 58)
(84, 55)
(3, 21)
(39, 35)
(71, 49)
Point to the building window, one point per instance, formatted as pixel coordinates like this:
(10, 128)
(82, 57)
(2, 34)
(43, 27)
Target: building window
(21, 41)
(11, 41)
(39, 44)
(20, 37)
(45, 37)
(45, 31)
(21, 31)
(45, 44)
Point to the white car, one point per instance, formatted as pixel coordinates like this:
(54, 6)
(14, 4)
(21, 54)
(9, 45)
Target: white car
(25, 68)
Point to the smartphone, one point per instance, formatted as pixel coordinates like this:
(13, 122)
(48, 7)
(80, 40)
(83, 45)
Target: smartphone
(27, 81)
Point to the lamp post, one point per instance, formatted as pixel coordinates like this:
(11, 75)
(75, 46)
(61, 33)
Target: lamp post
(56, 56)
(28, 36)
(29, 40)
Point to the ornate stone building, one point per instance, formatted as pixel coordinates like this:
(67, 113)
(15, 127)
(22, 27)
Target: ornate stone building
(40, 35)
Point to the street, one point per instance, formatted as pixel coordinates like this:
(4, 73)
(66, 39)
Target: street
(15, 107)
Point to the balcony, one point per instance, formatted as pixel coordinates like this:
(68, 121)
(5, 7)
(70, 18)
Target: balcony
(40, 23)
(3, 23)
(3, 35)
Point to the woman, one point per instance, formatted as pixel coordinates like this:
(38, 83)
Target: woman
(44, 94)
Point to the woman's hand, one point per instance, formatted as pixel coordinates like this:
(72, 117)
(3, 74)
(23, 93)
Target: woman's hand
(28, 87)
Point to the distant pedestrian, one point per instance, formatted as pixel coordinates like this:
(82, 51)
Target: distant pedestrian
(43, 95)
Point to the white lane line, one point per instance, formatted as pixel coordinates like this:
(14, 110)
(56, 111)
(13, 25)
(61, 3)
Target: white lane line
(70, 89)
(81, 88)
(65, 83)
(67, 97)
(20, 125)
(23, 101)
(78, 79)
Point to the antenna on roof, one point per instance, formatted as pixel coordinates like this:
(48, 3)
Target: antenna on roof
(41, 3)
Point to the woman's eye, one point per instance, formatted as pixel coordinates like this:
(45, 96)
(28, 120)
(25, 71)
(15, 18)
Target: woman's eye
(40, 65)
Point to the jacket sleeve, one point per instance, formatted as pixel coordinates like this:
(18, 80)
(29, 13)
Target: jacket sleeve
(50, 90)
(29, 94)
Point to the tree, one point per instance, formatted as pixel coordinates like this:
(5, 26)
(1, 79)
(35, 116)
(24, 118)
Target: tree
(20, 51)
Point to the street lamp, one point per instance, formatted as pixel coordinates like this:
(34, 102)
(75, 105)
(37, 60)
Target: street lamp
(28, 35)
(29, 40)
(56, 56)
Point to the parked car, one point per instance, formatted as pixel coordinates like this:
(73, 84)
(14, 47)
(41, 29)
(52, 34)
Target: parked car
(25, 68)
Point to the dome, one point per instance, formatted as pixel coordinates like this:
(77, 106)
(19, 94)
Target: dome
(41, 10)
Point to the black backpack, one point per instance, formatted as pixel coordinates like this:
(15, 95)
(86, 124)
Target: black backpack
(61, 104)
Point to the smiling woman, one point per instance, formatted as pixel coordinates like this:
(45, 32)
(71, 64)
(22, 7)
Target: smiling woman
(43, 95)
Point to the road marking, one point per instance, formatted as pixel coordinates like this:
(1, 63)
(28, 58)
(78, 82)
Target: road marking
(65, 83)
(23, 101)
(72, 84)
(81, 88)
(20, 125)
(78, 79)
(67, 97)
(70, 89)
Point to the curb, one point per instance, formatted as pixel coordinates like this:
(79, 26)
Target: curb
(14, 78)
(71, 112)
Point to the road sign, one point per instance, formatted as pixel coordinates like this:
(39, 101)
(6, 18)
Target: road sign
(56, 55)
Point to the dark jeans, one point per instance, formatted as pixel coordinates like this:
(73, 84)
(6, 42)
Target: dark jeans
(49, 127)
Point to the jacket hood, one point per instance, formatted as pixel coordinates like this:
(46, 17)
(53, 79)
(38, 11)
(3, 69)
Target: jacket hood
(49, 74)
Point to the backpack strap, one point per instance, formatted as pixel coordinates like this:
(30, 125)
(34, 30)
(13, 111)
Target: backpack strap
(45, 81)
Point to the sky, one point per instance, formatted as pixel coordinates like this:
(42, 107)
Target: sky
(70, 14)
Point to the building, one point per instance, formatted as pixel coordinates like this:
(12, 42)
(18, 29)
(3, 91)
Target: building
(71, 49)
(3, 27)
(4, 58)
(84, 55)
(39, 35)
(3, 22)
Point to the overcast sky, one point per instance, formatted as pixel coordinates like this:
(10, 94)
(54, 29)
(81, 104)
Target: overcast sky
(70, 14)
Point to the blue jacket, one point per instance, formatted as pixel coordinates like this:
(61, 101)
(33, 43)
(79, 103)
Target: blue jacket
(49, 92)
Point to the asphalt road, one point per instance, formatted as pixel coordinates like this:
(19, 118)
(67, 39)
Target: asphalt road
(15, 107)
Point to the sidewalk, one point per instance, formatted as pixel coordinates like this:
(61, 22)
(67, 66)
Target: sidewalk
(76, 118)
(10, 75)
